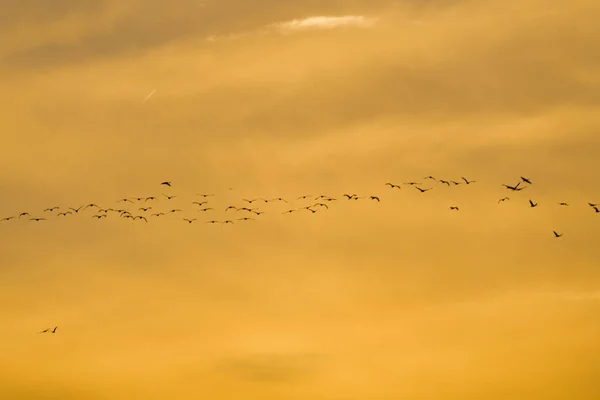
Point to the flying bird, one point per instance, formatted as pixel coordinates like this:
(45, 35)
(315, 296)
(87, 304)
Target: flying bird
(157, 214)
(391, 185)
(37, 219)
(140, 217)
(99, 216)
(504, 199)
(51, 209)
(556, 234)
(189, 220)
(24, 214)
(123, 200)
(563, 204)
(64, 213)
(166, 183)
(204, 195)
(526, 180)
(168, 197)
(374, 198)
(422, 190)
(205, 209)
(454, 208)
(468, 182)
(532, 204)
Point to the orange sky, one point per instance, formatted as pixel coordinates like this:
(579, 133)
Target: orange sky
(365, 300)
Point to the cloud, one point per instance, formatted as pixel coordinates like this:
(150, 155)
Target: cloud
(322, 22)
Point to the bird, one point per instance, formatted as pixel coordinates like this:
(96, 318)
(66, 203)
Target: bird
(174, 210)
(596, 209)
(304, 197)
(51, 209)
(157, 214)
(124, 200)
(168, 197)
(279, 199)
(245, 219)
(205, 209)
(422, 190)
(7, 218)
(91, 205)
(258, 212)
(47, 330)
(250, 201)
(350, 196)
(512, 187)
(24, 214)
(593, 205)
(166, 183)
(200, 203)
(140, 217)
(392, 186)
(204, 195)
(532, 204)
(99, 216)
(444, 182)
(150, 198)
(526, 180)
(231, 207)
(455, 183)
(64, 213)
(563, 204)
(144, 209)
(212, 222)
(412, 183)
(227, 222)
(429, 177)
(504, 199)
(468, 182)
(374, 198)
(75, 209)
(320, 205)
(189, 220)
(454, 208)
(289, 211)
(556, 234)
(37, 219)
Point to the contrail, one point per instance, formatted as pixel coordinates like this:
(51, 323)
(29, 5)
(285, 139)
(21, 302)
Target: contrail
(150, 95)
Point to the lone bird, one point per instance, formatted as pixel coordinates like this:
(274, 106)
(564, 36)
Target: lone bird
(556, 234)
(532, 204)
(166, 183)
(453, 208)
(563, 204)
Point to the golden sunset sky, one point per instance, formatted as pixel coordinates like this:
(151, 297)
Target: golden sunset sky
(402, 299)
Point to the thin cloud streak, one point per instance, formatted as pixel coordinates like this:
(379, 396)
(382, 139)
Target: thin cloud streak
(323, 22)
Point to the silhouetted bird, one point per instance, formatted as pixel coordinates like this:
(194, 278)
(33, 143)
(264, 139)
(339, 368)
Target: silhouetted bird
(454, 208)
(245, 219)
(64, 213)
(526, 180)
(189, 220)
(504, 199)
(556, 234)
(200, 203)
(374, 198)
(468, 182)
(391, 185)
(99, 216)
(205, 209)
(174, 210)
(166, 183)
(422, 190)
(444, 182)
(169, 197)
(430, 177)
(212, 222)
(24, 214)
(144, 209)
(51, 209)
(118, 201)
(231, 207)
(532, 204)
(563, 204)
(150, 198)
(140, 217)
(157, 214)
(204, 195)
(37, 219)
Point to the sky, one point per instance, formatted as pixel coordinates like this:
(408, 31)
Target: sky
(366, 299)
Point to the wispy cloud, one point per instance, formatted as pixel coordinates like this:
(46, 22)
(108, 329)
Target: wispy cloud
(323, 22)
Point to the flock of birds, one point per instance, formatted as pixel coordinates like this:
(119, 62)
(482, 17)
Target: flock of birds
(143, 207)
